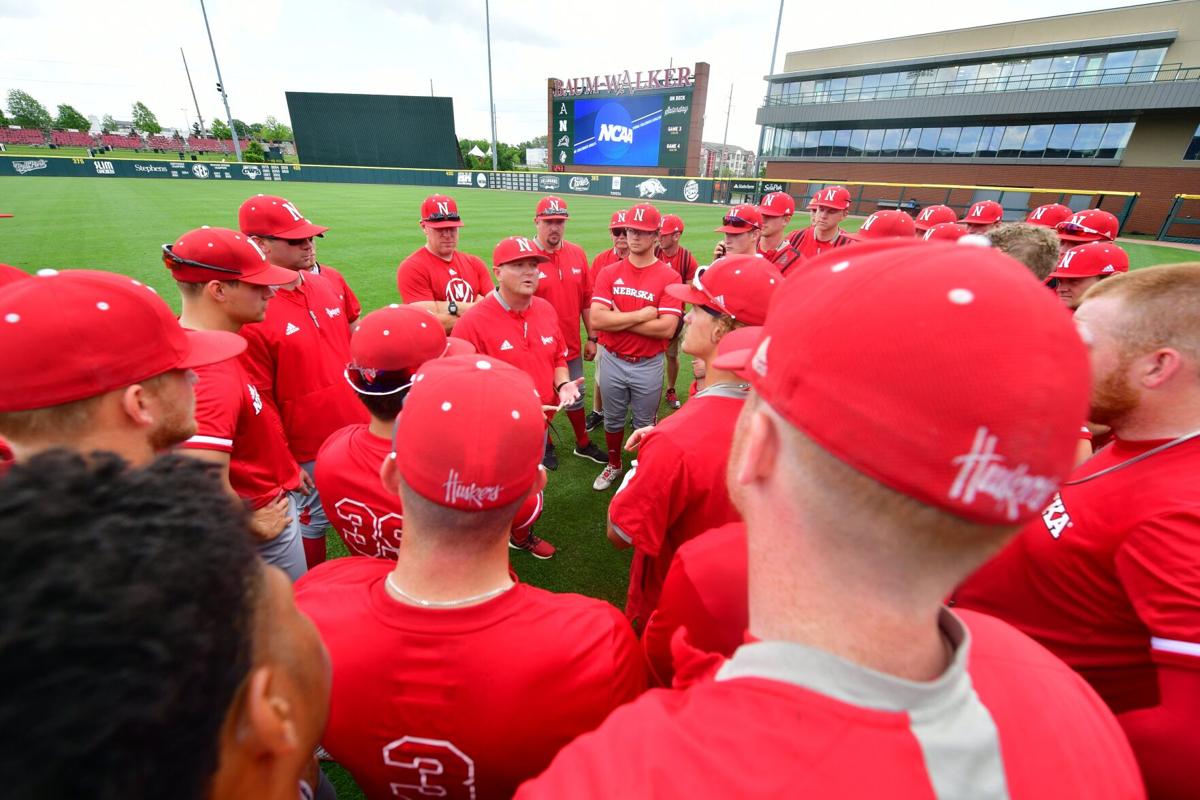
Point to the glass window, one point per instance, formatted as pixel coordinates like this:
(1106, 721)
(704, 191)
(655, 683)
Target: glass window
(1061, 138)
(966, 80)
(841, 141)
(1146, 64)
(1014, 137)
(825, 143)
(869, 84)
(858, 142)
(854, 88)
(837, 90)
(947, 142)
(1035, 141)
(1039, 73)
(1193, 151)
(968, 142)
(905, 82)
(946, 74)
(1063, 70)
(927, 143)
(874, 142)
(1115, 139)
(989, 77)
(908, 147)
(1089, 70)
(1116, 67)
(891, 142)
(811, 139)
(989, 142)
(1087, 141)
(807, 88)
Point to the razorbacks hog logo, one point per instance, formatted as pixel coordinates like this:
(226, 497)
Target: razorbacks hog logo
(651, 188)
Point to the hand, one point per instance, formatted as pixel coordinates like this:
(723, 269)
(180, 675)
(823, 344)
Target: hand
(649, 313)
(589, 351)
(635, 438)
(719, 250)
(268, 522)
(306, 486)
(699, 370)
(568, 393)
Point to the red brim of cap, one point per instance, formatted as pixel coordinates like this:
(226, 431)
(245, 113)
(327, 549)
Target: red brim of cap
(302, 230)
(1074, 274)
(1082, 237)
(834, 206)
(688, 294)
(445, 223)
(771, 212)
(562, 214)
(271, 276)
(538, 257)
(738, 361)
(645, 228)
(211, 347)
(458, 347)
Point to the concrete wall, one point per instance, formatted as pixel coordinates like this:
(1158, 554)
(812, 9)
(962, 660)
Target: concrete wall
(1160, 140)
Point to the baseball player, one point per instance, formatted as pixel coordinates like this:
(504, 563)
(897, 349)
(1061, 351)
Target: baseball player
(776, 210)
(636, 319)
(1092, 225)
(885, 224)
(96, 361)
(225, 282)
(982, 216)
(1035, 246)
(742, 227)
(1082, 267)
(296, 355)
(437, 277)
(828, 207)
(564, 282)
(950, 231)
(933, 215)
(619, 250)
(350, 305)
(1106, 576)
(1049, 215)
(676, 490)
(682, 261)
(450, 678)
(856, 536)
(386, 350)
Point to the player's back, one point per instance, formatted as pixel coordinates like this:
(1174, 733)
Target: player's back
(367, 517)
(462, 702)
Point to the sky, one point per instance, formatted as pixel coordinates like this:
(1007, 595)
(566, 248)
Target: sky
(102, 61)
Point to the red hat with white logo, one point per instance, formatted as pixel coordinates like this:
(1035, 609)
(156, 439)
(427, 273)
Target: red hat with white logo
(643, 217)
(1049, 215)
(440, 211)
(934, 215)
(777, 204)
(741, 219)
(671, 223)
(516, 248)
(552, 206)
(988, 386)
(1093, 225)
(470, 437)
(65, 336)
(274, 217)
(835, 197)
(618, 220)
(985, 212)
(1093, 258)
(389, 344)
(885, 224)
(10, 274)
(219, 254)
(741, 286)
(950, 231)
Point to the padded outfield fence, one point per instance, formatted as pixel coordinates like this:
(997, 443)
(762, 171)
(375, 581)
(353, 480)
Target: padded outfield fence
(1181, 223)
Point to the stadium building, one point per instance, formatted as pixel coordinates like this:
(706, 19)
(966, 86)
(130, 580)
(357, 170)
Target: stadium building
(1098, 100)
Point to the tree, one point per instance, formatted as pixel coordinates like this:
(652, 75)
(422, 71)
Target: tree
(535, 142)
(144, 119)
(108, 124)
(196, 129)
(508, 157)
(27, 112)
(256, 130)
(220, 129)
(69, 117)
(243, 130)
(3, 119)
(275, 131)
(254, 153)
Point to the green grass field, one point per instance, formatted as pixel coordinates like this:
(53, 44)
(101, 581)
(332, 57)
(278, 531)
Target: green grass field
(120, 224)
(139, 155)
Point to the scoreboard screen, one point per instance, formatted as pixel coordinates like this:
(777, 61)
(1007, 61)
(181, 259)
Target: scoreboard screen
(644, 129)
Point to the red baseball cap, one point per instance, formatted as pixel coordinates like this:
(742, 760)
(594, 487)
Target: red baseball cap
(440, 211)
(740, 219)
(643, 217)
(551, 206)
(470, 437)
(883, 225)
(934, 215)
(66, 336)
(741, 286)
(219, 254)
(988, 423)
(1093, 225)
(274, 217)
(1093, 258)
(777, 204)
(1049, 215)
(458, 347)
(10, 274)
(946, 230)
(396, 337)
(671, 223)
(985, 212)
(835, 197)
(618, 220)
(516, 248)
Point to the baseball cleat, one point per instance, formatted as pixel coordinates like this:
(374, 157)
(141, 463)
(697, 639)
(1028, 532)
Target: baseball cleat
(592, 453)
(605, 479)
(534, 545)
(594, 420)
(672, 399)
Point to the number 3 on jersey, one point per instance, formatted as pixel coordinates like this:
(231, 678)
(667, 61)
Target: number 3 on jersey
(430, 768)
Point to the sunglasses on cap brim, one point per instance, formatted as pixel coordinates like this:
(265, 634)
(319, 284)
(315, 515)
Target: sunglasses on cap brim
(170, 258)
(443, 218)
(376, 382)
(738, 222)
(1072, 229)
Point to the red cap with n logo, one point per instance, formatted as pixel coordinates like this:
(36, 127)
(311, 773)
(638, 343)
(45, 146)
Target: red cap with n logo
(440, 211)
(552, 206)
(643, 217)
(516, 248)
(276, 217)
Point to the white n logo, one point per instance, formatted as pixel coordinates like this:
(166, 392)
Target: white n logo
(866, 226)
(830, 194)
(638, 213)
(523, 244)
(443, 208)
(291, 209)
(554, 206)
(926, 214)
(1067, 258)
(768, 200)
(1077, 219)
(977, 210)
(734, 212)
(254, 244)
(1038, 213)
(621, 216)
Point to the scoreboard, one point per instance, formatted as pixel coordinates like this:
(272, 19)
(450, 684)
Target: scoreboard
(640, 129)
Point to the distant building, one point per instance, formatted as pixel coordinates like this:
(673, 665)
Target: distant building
(738, 160)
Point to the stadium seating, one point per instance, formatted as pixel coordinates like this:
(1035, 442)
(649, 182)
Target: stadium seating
(203, 145)
(72, 139)
(164, 143)
(22, 136)
(117, 142)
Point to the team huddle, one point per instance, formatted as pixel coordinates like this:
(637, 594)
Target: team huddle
(920, 525)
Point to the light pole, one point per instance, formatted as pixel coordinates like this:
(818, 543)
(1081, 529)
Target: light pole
(487, 14)
(762, 130)
(237, 147)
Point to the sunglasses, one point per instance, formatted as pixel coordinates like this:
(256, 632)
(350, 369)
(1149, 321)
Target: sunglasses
(439, 217)
(618, 231)
(373, 381)
(291, 242)
(170, 258)
(712, 312)
(1072, 229)
(737, 222)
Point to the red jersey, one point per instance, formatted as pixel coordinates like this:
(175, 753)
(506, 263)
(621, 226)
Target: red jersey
(675, 491)
(624, 287)
(367, 517)
(530, 340)
(784, 257)
(805, 242)
(781, 720)
(424, 276)
(682, 261)
(565, 284)
(297, 356)
(350, 305)
(706, 594)
(461, 702)
(231, 417)
(1108, 578)
(602, 260)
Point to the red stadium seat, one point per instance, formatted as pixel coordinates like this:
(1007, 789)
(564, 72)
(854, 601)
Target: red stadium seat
(72, 139)
(118, 142)
(22, 136)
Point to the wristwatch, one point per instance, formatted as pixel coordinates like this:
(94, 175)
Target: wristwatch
(452, 307)
(593, 339)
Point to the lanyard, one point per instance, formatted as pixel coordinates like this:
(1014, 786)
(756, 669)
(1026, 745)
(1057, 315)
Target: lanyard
(1139, 457)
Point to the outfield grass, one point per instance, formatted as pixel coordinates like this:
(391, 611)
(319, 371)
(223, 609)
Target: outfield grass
(139, 155)
(120, 224)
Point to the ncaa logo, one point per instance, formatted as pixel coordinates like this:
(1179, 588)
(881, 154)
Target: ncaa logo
(614, 131)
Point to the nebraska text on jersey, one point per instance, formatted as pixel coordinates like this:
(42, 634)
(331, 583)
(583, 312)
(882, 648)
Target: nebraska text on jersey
(640, 294)
(982, 471)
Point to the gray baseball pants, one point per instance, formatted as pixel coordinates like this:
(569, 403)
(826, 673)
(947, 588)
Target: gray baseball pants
(286, 550)
(629, 386)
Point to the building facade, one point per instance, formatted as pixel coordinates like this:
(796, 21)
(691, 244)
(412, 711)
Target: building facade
(1103, 100)
(737, 160)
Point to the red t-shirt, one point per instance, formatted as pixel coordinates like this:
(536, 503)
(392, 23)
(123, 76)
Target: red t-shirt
(624, 287)
(233, 418)
(565, 284)
(461, 702)
(782, 720)
(682, 261)
(784, 257)
(424, 276)
(675, 491)
(350, 304)
(706, 594)
(1108, 578)
(805, 242)
(530, 340)
(602, 260)
(369, 518)
(297, 356)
